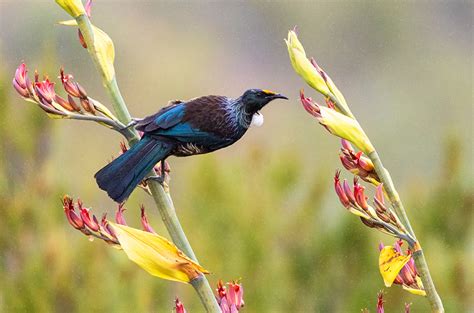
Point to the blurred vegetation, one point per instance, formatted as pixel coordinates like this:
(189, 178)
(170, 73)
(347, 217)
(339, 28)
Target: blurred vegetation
(263, 211)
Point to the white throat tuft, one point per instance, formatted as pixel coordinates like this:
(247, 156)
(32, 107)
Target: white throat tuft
(257, 120)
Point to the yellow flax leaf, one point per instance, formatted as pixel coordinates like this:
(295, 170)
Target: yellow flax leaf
(156, 255)
(420, 291)
(390, 264)
(103, 48)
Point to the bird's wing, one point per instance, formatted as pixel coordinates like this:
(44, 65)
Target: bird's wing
(197, 121)
(165, 118)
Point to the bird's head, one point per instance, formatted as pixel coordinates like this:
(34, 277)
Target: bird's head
(255, 99)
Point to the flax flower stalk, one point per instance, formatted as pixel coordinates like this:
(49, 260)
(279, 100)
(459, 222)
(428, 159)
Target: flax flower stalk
(162, 199)
(418, 255)
(300, 64)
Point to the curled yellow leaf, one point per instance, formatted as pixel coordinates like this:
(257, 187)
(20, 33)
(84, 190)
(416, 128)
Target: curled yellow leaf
(418, 289)
(103, 49)
(156, 255)
(390, 264)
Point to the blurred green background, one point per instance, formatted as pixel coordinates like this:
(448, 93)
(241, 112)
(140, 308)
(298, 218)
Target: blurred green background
(263, 209)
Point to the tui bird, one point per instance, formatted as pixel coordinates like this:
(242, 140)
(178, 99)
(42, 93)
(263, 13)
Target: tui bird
(197, 126)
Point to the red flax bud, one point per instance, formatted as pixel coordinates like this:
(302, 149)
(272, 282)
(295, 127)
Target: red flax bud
(339, 191)
(347, 162)
(232, 300)
(348, 192)
(235, 294)
(380, 302)
(73, 103)
(21, 82)
(20, 75)
(88, 8)
(359, 195)
(319, 69)
(178, 306)
(221, 290)
(119, 218)
(22, 92)
(329, 103)
(144, 220)
(88, 225)
(91, 223)
(87, 105)
(346, 145)
(407, 307)
(69, 86)
(71, 215)
(380, 207)
(105, 226)
(357, 163)
(364, 162)
(310, 106)
(65, 104)
(45, 91)
(379, 194)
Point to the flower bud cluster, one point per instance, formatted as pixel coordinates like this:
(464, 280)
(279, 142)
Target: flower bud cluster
(380, 217)
(357, 163)
(230, 298)
(86, 222)
(178, 306)
(76, 105)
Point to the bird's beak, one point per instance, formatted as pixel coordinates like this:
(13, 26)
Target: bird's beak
(279, 96)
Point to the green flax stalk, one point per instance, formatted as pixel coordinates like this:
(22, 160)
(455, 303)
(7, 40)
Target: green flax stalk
(162, 199)
(418, 255)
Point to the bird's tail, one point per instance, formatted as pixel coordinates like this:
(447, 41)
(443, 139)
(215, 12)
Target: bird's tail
(123, 174)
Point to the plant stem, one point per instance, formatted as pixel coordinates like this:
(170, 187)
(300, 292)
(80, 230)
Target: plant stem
(168, 214)
(162, 199)
(201, 285)
(418, 255)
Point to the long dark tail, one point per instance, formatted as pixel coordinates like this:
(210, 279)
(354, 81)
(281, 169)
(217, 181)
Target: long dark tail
(123, 174)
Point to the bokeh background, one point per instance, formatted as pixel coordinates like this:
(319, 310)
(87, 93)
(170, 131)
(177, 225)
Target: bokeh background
(262, 210)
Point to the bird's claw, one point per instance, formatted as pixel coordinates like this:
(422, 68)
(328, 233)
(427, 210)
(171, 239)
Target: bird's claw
(132, 123)
(159, 179)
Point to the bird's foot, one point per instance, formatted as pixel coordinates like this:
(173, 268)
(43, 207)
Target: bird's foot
(159, 179)
(132, 123)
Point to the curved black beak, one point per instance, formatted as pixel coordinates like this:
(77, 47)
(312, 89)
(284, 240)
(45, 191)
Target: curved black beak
(279, 96)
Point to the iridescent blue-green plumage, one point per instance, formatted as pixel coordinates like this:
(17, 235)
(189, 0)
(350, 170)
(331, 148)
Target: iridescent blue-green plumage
(197, 126)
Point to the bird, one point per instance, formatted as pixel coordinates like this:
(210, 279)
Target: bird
(183, 128)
